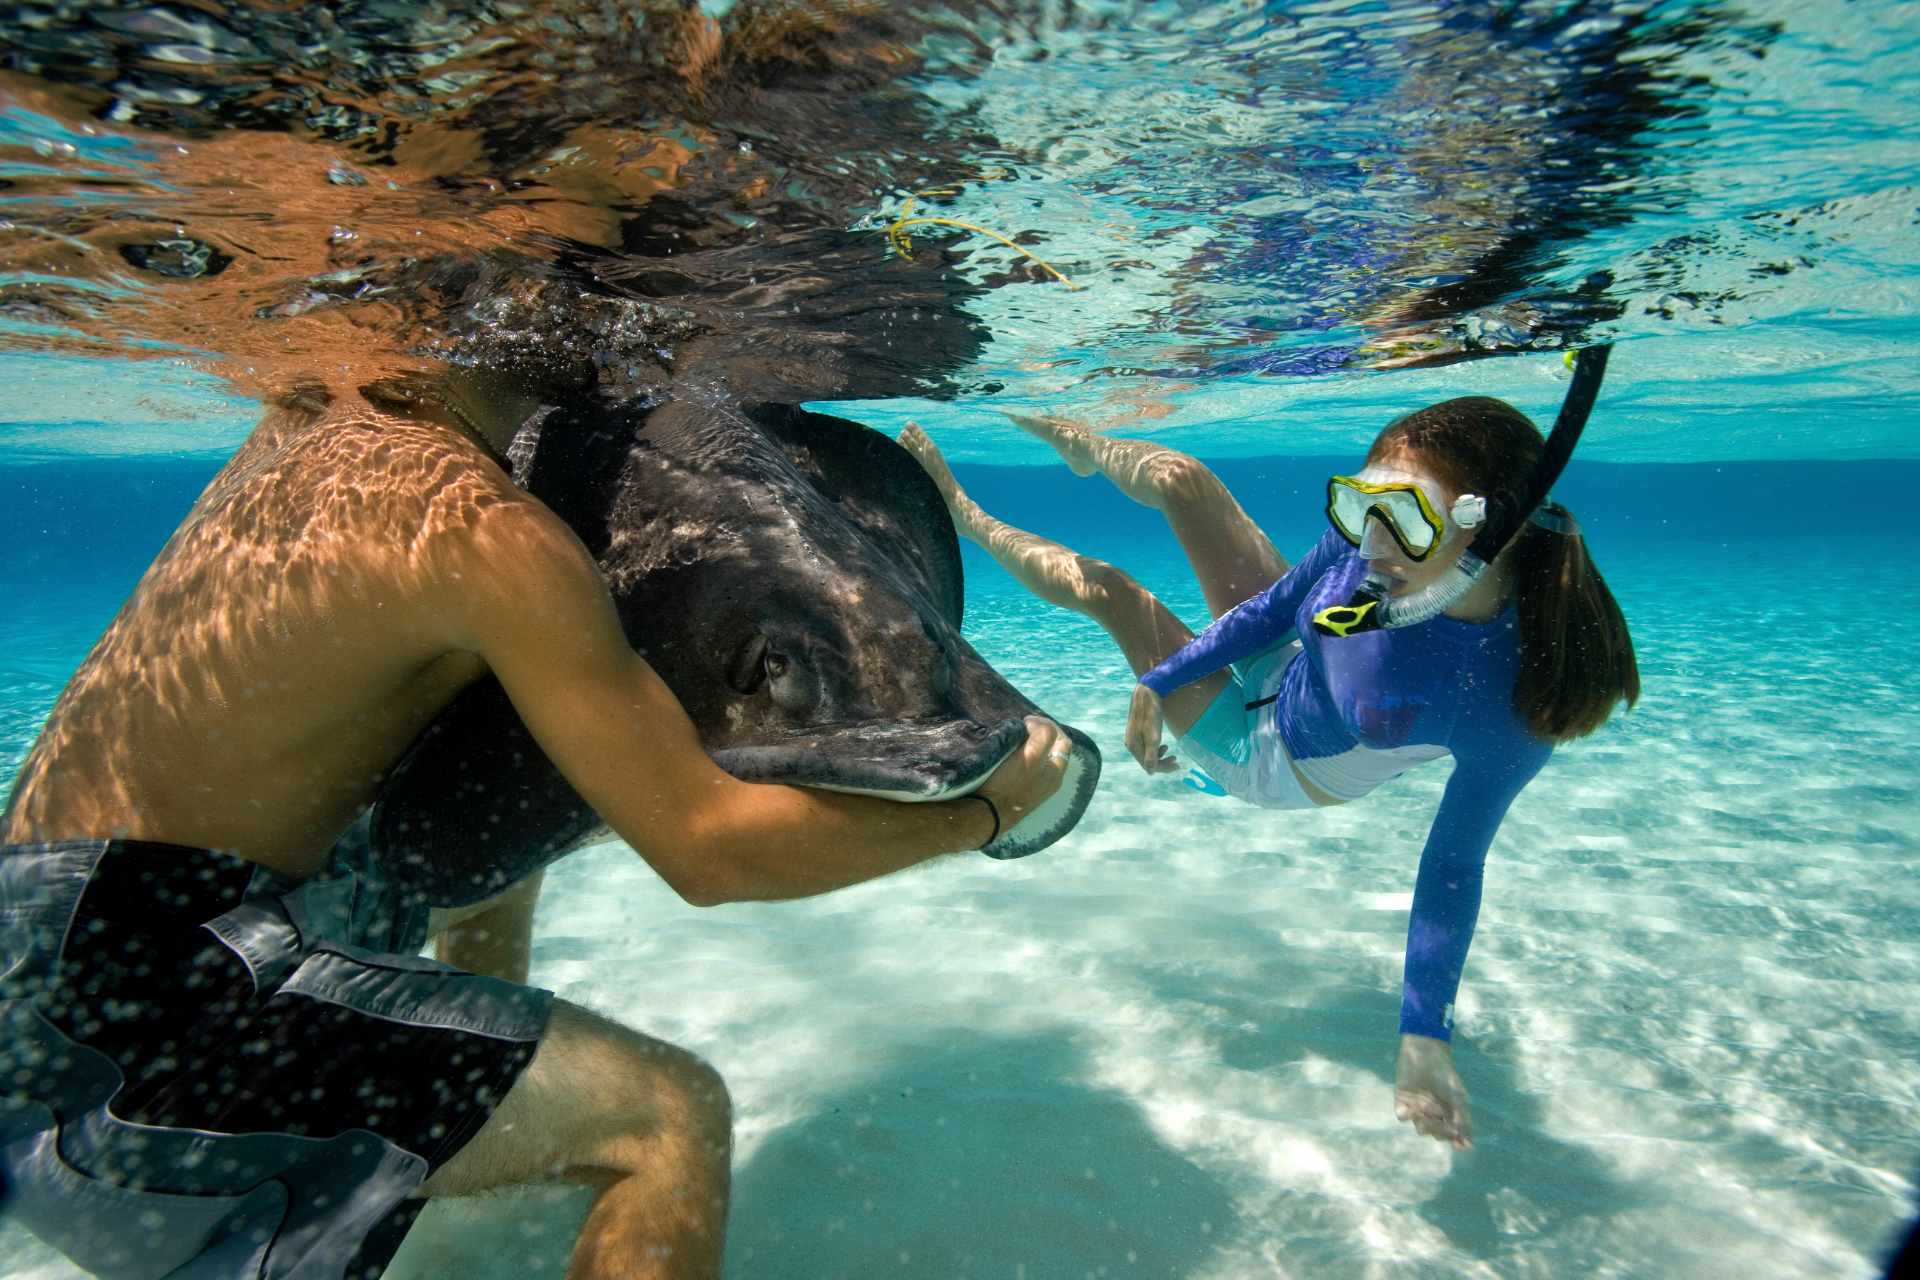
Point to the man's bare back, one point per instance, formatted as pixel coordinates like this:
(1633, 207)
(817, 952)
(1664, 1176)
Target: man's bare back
(284, 648)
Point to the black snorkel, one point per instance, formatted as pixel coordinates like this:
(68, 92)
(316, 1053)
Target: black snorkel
(1372, 609)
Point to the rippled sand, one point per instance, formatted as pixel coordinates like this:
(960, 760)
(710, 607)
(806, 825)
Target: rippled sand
(1165, 1046)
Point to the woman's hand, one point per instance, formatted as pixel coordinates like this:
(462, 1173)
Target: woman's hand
(1145, 723)
(1427, 1092)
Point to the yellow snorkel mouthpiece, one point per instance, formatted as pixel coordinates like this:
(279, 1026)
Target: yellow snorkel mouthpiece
(1346, 619)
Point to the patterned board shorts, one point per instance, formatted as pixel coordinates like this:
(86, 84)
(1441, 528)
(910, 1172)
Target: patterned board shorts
(209, 1070)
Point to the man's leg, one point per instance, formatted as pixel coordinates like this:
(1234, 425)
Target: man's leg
(647, 1124)
(494, 937)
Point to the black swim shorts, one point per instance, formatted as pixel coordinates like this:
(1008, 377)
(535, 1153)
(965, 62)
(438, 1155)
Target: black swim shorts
(207, 1070)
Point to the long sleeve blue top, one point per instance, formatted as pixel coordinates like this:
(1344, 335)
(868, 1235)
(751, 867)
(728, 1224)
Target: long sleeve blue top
(1444, 683)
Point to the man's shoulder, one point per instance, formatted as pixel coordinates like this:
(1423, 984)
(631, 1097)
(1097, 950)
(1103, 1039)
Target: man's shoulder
(413, 471)
(411, 491)
(503, 547)
(520, 534)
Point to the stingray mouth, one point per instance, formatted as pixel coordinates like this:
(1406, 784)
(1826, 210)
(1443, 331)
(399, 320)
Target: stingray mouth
(918, 761)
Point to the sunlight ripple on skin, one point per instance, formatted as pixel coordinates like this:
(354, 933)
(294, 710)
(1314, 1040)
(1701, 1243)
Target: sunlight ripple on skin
(1165, 1046)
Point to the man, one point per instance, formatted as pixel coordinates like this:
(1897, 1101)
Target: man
(219, 1060)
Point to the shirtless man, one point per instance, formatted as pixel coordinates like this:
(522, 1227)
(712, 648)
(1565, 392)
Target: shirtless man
(286, 1082)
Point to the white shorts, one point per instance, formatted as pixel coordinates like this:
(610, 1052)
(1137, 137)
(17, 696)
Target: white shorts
(1235, 744)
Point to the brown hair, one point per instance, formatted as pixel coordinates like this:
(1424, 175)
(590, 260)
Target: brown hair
(1576, 657)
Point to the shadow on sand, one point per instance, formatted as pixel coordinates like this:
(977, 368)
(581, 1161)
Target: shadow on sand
(969, 1158)
(958, 1157)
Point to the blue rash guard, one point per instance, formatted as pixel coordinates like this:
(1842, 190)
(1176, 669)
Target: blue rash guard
(1352, 711)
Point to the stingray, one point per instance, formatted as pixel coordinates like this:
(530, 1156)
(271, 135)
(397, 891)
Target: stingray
(794, 578)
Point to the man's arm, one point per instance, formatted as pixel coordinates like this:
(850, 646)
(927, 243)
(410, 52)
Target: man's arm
(542, 619)
(1250, 626)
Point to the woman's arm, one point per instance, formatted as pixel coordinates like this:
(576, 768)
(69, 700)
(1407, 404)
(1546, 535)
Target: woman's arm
(1487, 776)
(1446, 892)
(1250, 626)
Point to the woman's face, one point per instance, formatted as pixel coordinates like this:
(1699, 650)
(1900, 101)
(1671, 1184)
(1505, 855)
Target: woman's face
(1383, 553)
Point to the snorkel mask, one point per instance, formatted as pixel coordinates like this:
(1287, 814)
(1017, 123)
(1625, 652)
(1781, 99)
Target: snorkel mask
(1403, 509)
(1407, 515)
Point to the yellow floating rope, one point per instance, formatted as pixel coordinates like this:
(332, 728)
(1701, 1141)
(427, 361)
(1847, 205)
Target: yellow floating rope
(903, 244)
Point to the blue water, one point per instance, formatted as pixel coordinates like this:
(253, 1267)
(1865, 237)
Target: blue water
(1690, 1022)
(1165, 1047)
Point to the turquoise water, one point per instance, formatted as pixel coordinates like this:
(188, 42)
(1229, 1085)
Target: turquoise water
(1165, 1047)
(1690, 1023)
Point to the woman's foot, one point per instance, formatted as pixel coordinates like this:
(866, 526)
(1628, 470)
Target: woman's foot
(1068, 439)
(916, 442)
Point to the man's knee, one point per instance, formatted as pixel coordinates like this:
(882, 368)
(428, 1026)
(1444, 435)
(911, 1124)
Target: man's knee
(598, 1103)
(661, 1094)
(699, 1108)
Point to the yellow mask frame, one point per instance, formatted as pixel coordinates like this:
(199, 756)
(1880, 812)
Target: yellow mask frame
(1402, 507)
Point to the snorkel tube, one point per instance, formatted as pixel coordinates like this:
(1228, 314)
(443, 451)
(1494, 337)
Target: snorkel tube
(1372, 609)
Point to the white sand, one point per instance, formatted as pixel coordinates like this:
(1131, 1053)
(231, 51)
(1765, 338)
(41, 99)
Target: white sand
(1164, 1048)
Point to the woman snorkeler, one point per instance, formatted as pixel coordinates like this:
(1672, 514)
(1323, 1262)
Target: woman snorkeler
(1288, 712)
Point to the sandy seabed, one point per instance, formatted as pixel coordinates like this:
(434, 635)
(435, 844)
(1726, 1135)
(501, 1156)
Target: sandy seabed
(1165, 1047)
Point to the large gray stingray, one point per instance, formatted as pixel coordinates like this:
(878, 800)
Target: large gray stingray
(794, 578)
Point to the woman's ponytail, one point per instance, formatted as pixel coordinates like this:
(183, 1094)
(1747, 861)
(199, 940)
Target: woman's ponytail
(1576, 655)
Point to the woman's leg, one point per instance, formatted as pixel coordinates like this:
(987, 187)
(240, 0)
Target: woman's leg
(1145, 629)
(1230, 556)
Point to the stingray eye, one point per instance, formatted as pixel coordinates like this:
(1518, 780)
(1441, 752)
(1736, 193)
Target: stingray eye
(791, 685)
(748, 671)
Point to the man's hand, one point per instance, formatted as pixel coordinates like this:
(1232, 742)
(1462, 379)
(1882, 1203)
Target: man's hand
(1146, 721)
(1427, 1092)
(1026, 778)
